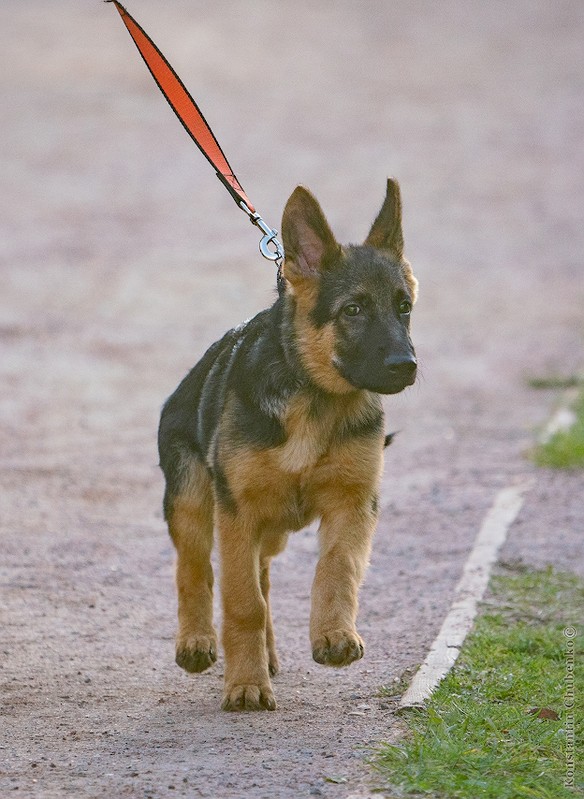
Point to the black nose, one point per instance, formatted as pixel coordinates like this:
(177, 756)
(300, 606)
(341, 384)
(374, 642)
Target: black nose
(401, 367)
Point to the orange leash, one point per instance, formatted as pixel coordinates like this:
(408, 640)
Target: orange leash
(198, 129)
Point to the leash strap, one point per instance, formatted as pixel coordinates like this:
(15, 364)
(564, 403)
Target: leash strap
(198, 128)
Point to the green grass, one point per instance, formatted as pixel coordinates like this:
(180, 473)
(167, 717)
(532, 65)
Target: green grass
(565, 450)
(555, 381)
(477, 739)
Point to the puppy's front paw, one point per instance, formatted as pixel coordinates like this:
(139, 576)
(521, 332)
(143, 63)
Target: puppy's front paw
(249, 697)
(195, 653)
(337, 648)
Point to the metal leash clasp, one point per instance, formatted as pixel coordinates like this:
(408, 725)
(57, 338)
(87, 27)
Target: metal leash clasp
(270, 246)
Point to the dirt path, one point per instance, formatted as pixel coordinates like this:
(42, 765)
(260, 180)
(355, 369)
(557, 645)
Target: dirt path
(122, 259)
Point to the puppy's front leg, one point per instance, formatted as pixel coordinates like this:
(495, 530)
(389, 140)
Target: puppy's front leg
(247, 679)
(345, 539)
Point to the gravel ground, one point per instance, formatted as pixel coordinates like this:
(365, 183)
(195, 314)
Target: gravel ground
(122, 259)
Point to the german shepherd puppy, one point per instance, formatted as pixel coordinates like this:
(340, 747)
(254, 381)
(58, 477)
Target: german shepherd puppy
(280, 423)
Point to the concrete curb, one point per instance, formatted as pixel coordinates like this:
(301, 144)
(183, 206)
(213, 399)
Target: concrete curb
(468, 593)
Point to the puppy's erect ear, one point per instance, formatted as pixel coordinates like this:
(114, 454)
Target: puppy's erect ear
(309, 243)
(386, 231)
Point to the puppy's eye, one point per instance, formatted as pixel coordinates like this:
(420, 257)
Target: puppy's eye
(352, 309)
(405, 307)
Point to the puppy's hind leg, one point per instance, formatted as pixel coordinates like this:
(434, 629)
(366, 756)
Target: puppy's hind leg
(272, 546)
(273, 662)
(189, 513)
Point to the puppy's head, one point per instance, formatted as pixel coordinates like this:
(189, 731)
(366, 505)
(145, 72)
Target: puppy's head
(352, 304)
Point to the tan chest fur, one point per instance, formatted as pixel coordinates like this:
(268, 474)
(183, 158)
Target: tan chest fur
(308, 434)
(283, 485)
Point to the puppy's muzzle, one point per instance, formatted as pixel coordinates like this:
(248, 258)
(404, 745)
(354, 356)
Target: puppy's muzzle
(401, 370)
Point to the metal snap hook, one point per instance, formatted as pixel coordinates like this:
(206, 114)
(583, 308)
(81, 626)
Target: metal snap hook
(275, 254)
(270, 246)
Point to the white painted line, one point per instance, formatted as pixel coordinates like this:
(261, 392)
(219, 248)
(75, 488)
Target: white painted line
(563, 419)
(468, 593)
